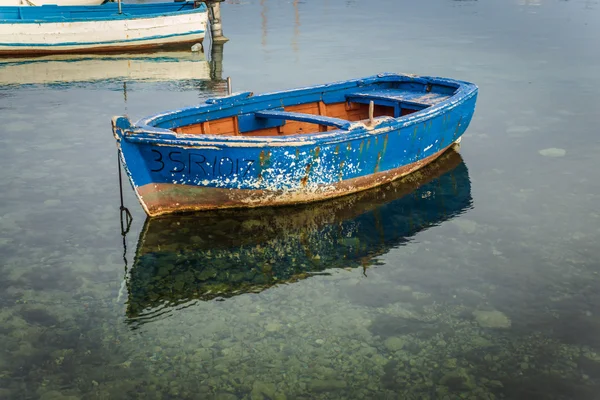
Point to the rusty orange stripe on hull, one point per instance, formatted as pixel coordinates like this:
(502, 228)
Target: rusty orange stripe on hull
(166, 198)
(101, 49)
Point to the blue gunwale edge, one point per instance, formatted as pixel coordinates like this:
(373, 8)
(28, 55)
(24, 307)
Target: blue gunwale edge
(62, 44)
(144, 131)
(113, 17)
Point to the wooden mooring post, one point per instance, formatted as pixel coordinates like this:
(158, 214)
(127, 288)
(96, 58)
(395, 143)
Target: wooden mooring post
(214, 16)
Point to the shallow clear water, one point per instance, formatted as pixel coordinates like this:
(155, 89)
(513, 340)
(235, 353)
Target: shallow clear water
(477, 280)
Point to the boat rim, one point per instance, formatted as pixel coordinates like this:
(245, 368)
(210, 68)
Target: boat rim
(113, 17)
(143, 131)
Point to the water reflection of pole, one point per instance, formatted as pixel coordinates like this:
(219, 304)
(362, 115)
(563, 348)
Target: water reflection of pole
(296, 26)
(263, 24)
(216, 62)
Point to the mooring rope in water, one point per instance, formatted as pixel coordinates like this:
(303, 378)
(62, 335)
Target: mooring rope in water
(126, 220)
(122, 208)
(126, 217)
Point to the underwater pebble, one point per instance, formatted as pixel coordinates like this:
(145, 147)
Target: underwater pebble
(592, 356)
(19, 126)
(458, 378)
(420, 295)
(203, 354)
(394, 343)
(553, 152)
(52, 202)
(495, 383)
(260, 390)
(273, 327)
(378, 359)
(56, 395)
(326, 385)
(226, 396)
(517, 131)
(466, 225)
(491, 319)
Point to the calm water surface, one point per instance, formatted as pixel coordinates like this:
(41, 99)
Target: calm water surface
(477, 279)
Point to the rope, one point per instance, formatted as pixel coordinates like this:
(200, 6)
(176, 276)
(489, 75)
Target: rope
(126, 220)
(126, 217)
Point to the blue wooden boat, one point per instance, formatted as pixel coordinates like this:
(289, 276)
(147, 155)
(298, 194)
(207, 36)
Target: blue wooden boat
(52, 29)
(293, 146)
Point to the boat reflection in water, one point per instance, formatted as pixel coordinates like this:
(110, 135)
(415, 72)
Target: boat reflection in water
(216, 255)
(152, 67)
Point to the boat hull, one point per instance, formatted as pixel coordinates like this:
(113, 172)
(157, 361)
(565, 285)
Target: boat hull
(102, 35)
(168, 198)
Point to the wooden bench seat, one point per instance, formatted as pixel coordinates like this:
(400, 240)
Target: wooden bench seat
(398, 95)
(403, 101)
(301, 117)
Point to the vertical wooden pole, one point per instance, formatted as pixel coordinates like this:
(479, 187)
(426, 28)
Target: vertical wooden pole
(214, 15)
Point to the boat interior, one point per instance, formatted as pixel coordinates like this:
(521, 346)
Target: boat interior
(332, 111)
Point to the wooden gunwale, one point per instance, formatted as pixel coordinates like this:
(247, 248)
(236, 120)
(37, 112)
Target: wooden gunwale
(156, 129)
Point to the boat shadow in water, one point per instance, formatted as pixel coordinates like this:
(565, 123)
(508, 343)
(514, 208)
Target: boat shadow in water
(221, 254)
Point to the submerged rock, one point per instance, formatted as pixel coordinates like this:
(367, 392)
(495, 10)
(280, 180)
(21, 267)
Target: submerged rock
(466, 225)
(518, 131)
(553, 152)
(491, 319)
(273, 327)
(225, 396)
(262, 390)
(52, 202)
(458, 380)
(56, 395)
(326, 385)
(394, 343)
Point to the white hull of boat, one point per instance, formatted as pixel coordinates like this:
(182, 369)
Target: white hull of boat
(102, 35)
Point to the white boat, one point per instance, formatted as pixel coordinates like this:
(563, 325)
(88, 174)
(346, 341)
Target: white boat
(61, 69)
(55, 29)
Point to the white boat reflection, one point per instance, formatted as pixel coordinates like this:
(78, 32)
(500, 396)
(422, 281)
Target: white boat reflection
(157, 66)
